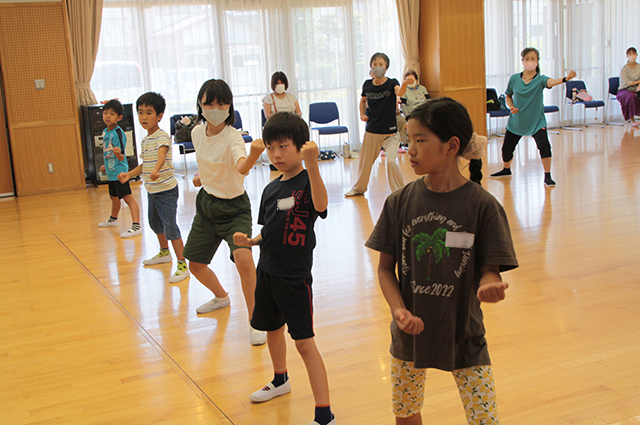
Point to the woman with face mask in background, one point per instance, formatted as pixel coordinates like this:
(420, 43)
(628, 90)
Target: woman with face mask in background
(378, 106)
(627, 92)
(526, 102)
(279, 100)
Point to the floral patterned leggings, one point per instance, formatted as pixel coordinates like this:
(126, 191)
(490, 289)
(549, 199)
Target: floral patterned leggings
(475, 385)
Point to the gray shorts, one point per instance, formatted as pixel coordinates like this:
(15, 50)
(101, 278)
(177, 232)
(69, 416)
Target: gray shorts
(216, 220)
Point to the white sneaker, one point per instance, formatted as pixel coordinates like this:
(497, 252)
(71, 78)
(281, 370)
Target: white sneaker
(270, 391)
(159, 258)
(333, 422)
(353, 192)
(108, 223)
(181, 274)
(257, 337)
(131, 233)
(214, 304)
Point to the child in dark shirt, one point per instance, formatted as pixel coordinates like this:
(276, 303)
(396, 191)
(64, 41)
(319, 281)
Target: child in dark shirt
(289, 208)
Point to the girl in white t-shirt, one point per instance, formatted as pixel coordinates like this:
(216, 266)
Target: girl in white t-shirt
(280, 100)
(222, 205)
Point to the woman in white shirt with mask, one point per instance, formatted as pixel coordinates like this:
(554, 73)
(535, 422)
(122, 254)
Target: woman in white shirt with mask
(279, 100)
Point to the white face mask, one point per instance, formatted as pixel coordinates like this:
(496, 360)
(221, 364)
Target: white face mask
(530, 66)
(215, 116)
(413, 86)
(279, 88)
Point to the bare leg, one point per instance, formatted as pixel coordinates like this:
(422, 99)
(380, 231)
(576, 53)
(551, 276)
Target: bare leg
(207, 277)
(277, 350)
(133, 207)
(546, 164)
(178, 247)
(508, 164)
(162, 239)
(247, 271)
(115, 206)
(315, 369)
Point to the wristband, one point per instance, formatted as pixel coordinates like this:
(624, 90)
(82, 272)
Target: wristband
(564, 79)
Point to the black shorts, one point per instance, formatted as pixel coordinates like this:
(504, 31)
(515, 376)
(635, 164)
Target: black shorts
(281, 300)
(119, 190)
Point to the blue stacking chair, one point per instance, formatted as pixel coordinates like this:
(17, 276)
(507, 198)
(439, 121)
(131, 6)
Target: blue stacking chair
(614, 84)
(594, 104)
(550, 109)
(325, 113)
(184, 147)
(496, 114)
(238, 126)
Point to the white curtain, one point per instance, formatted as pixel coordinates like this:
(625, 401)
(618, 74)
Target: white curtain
(588, 36)
(409, 20)
(173, 46)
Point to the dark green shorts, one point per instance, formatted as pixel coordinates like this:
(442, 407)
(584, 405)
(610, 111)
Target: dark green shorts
(216, 220)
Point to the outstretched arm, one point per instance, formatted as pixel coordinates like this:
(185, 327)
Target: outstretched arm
(491, 285)
(318, 190)
(390, 287)
(551, 82)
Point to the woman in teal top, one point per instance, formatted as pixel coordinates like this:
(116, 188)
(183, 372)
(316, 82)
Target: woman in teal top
(525, 100)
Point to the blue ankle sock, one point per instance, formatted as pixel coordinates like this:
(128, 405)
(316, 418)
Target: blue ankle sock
(323, 415)
(279, 379)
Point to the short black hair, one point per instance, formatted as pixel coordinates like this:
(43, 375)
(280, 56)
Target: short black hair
(632, 50)
(155, 100)
(216, 90)
(279, 75)
(115, 106)
(285, 126)
(381, 55)
(445, 118)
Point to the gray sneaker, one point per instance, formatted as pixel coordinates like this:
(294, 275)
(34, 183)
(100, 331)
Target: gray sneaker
(214, 304)
(159, 258)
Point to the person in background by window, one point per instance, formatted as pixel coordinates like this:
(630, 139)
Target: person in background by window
(629, 81)
(280, 100)
(378, 106)
(525, 100)
(415, 95)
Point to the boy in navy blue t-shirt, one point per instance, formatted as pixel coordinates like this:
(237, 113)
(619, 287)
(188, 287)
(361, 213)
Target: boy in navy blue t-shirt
(115, 162)
(289, 208)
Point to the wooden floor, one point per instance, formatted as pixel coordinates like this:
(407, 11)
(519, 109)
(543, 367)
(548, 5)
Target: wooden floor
(90, 336)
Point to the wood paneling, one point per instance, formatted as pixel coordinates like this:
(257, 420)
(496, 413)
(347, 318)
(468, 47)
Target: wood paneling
(452, 59)
(6, 180)
(36, 146)
(34, 44)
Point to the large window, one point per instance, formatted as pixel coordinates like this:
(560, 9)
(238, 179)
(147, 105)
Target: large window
(588, 36)
(172, 47)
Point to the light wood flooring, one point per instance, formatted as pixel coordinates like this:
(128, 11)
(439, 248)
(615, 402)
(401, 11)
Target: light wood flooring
(90, 336)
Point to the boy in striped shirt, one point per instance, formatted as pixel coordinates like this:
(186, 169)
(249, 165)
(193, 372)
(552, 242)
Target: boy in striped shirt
(157, 173)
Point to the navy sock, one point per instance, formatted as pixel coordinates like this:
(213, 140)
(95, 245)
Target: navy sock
(279, 379)
(547, 175)
(112, 218)
(323, 415)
